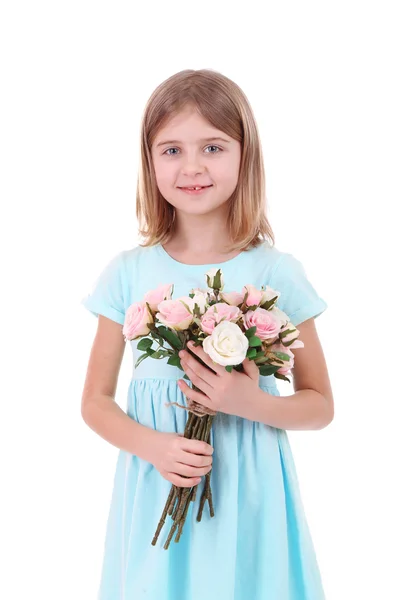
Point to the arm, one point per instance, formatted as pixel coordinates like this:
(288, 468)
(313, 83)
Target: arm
(98, 408)
(312, 404)
(181, 461)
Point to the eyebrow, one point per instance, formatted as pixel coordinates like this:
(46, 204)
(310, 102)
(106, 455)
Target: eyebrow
(211, 139)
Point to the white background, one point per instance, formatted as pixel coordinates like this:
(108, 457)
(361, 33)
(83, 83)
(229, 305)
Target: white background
(322, 78)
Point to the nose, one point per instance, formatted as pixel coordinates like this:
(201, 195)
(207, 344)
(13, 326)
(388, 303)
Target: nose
(193, 166)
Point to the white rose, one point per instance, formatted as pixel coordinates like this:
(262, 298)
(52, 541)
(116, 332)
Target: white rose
(200, 298)
(268, 293)
(227, 345)
(279, 314)
(211, 279)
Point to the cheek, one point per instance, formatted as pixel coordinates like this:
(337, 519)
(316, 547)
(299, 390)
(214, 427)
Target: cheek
(163, 174)
(227, 171)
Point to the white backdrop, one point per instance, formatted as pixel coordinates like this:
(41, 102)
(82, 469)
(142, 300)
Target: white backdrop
(323, 82)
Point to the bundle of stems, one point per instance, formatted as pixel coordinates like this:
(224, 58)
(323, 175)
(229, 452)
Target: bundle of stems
(179, 499)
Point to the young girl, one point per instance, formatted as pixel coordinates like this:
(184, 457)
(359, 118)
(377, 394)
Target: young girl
(199, 130)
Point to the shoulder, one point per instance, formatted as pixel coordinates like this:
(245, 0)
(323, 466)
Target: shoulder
(139, 260)
(276, 258)
(298, 297)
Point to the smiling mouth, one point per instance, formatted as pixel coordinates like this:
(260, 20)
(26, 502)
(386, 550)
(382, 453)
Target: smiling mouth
(197, 187)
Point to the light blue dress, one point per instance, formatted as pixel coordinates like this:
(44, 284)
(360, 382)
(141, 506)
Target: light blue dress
(258, 544)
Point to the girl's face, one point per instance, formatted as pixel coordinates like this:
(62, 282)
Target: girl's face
(189, 152)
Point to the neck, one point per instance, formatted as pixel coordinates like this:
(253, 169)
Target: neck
(200, 234)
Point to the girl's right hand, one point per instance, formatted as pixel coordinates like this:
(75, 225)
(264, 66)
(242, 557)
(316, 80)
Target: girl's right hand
(179, 460)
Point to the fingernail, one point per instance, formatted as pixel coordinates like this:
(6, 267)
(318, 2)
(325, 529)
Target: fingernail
(191, 343)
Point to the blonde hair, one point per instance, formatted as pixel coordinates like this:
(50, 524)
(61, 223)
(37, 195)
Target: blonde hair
(224, 105)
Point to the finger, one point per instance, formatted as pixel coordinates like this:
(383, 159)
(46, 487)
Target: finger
(192, 394)
(200, 375)
(189, 471)
(199, 351)
(251, 368)
(197, 447)
(182, 481)
(194, 460)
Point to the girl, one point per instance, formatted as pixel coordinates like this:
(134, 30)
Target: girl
(198, 130)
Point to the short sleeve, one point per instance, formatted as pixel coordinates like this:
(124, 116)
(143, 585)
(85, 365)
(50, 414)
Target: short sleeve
(107, 294)
(299, 299)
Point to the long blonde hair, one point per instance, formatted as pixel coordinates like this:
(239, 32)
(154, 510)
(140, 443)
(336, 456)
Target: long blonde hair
(224, 105)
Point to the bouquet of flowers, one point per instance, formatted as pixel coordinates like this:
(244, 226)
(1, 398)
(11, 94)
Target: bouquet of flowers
(230, 326)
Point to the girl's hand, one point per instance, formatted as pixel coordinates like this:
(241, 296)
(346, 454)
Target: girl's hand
(179, 460)
(221, 391)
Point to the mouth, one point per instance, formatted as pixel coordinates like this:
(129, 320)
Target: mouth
(195, 189)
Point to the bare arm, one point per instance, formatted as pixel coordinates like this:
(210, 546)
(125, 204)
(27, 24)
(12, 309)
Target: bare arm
(179, 460)
(99, 409)
(107, 419)
(312, 404)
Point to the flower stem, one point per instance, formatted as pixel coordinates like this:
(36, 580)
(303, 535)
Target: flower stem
(179, 499)
(162, 520)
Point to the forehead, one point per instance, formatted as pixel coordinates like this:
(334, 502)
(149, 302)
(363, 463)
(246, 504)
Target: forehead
(188, 125)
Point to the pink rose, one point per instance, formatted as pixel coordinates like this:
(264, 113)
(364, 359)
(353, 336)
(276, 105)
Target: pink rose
(297, 344)
(162, 292)
(268, 325)
(258, 297)
(233, 298)
(136, 319)
(288, 364)
(255, 296)
(291, 337)
(217, 313)
(174, 313)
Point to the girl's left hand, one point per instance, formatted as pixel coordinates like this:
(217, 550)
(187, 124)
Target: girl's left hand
(222, 391)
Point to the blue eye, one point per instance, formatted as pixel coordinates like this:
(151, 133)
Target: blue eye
(219, 150)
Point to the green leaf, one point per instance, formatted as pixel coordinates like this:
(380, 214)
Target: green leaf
(196, 310)
(246, 295)
(229, 368)
(157, 337)
(144, 344)
(286, 332)
(266, 370)
(150, 351)
(217, 280)
(249, 333)
(280, 376)
(186, 306)
(174, 361)
(252, 307)
(282, 356)
(171, 337)
(251, 353)
(141, 359)
(160, 353)
(254, 341)
(269, 303)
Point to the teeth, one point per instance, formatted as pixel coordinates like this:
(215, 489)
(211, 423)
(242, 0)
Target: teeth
(199, 187)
